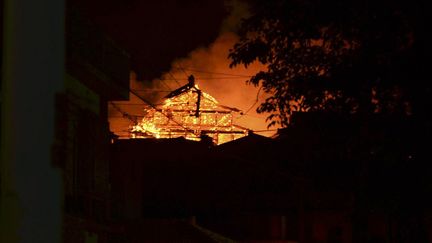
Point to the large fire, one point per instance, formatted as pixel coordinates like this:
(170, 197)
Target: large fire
(191, 113)
(210, 66)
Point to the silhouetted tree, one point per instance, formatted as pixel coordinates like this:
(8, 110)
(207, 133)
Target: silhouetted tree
(344, 56)
(362, 57)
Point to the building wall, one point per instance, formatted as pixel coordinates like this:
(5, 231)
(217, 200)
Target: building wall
(82, 143)
(81, 150)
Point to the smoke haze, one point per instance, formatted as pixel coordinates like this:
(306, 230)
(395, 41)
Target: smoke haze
(210, 67)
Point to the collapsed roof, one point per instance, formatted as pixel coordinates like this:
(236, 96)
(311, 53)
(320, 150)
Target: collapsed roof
(191, 113)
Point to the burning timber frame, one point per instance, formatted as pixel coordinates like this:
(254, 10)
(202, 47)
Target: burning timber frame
(191, 113)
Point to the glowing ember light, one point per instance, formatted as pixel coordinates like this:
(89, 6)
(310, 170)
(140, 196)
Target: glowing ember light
(190, 113)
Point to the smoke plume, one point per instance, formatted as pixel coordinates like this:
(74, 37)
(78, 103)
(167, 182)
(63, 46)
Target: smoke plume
(210, 67)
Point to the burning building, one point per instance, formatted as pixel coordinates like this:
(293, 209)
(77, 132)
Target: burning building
(191, 113)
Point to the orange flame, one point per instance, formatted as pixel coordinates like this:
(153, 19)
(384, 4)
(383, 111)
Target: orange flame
(180, 116)
(210, 66)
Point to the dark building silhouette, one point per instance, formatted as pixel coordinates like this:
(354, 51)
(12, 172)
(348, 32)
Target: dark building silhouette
(325, 178)
(97, 71)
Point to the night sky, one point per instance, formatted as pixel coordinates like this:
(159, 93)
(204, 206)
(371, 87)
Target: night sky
(154, 33)
(163, 35)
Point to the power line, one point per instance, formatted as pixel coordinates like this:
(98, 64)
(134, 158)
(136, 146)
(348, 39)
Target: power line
(166, 85)
(155, 108)
(125, 114)
(181, 68)
(222, 78)
(122, 117)
(227, 74)
(256, 101)
(251, 116)
(151, 105)
(152, 90)
(134, 92)
(169, 72)
(207, 78)
(269, 130)
(140, 104)
(152, 66)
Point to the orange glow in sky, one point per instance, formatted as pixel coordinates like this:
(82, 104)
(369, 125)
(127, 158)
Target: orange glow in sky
(210, 66)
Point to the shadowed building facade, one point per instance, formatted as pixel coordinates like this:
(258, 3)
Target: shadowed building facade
(97, 71)
(323, 179)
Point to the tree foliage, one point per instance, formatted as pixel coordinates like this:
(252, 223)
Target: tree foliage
(342, 56)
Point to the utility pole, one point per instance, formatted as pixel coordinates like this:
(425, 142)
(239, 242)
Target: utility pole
(33, 72)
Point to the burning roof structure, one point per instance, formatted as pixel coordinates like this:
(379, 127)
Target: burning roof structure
(191, 113)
